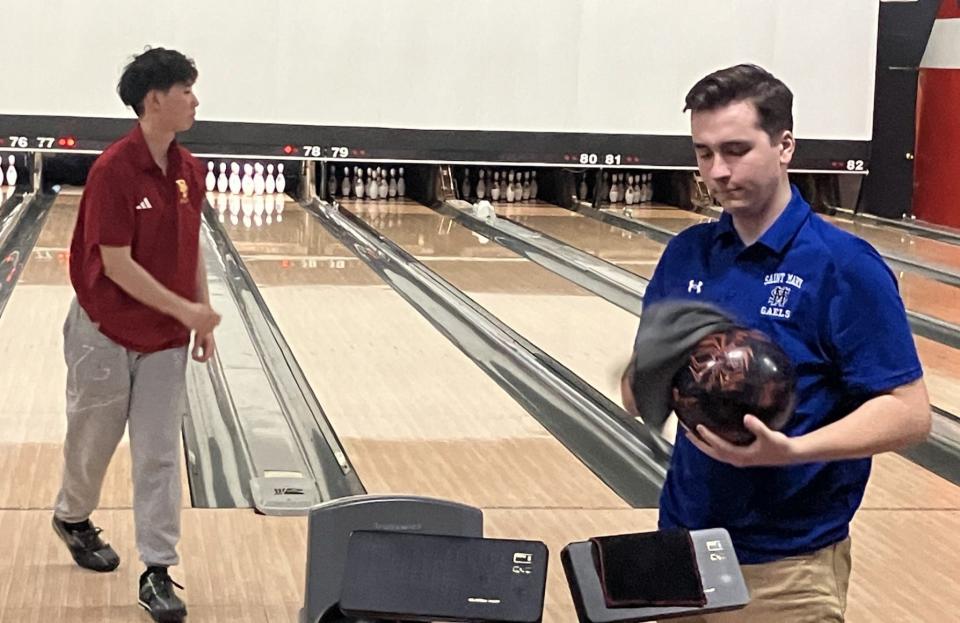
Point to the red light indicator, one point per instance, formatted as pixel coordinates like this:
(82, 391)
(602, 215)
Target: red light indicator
(68, 142)
(289, 149)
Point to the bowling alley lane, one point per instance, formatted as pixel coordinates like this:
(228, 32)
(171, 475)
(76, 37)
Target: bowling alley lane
(414, 413)
(33, 377)
(584, 332)
(900, 243)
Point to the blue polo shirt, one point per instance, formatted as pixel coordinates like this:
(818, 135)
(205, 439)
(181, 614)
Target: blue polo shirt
(828, 299)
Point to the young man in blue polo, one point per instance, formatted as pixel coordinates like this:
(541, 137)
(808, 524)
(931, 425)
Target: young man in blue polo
(141, 289)
(830, 302)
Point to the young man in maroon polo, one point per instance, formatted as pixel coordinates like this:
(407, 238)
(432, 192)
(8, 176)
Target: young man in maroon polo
(141, 289)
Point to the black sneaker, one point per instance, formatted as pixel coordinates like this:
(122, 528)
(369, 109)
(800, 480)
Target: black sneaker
(87, 548)
(157, 596)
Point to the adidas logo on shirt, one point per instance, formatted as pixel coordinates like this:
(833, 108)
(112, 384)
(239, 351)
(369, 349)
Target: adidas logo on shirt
(144, 204)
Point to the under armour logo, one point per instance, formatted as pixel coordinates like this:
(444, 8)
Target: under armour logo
(694, 286)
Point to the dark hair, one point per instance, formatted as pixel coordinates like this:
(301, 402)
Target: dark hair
(772, 98)
(157, 68)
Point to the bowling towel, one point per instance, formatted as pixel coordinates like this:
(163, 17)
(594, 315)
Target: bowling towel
(668, 332)
(648, 569)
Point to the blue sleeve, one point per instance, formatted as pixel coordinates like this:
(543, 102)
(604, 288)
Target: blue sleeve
(868, 325)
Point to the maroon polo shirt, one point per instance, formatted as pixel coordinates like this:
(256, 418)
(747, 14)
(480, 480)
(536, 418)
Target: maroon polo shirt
(128, 201)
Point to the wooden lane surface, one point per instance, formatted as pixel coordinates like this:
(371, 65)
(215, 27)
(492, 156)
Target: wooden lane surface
(413, 412)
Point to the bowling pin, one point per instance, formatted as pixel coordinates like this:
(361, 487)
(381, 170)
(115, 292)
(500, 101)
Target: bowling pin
(583, 188)
(401, 185)
(629, 192)
(358, 186)
(246, 183)
(372, 190)
(281, 181)
(495, 188)
(382, 186)
(533, 185)
(465, 186)
(270, 184)
(235, 182)
(525, 189)
(211, 179)
(392, 185)
(258, 184)
(222, 182)
(11, 171)
(345, 183)
(332, 182)
(481, 186)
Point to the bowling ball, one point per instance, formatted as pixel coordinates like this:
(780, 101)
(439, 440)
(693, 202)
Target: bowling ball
(732, 373)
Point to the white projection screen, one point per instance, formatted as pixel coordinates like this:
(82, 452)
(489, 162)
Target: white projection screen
(566, 66)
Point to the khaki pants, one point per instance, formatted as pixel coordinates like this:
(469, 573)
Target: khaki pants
(800, 589)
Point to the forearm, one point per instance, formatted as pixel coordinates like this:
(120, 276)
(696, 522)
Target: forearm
(141, 285)
(882, 424)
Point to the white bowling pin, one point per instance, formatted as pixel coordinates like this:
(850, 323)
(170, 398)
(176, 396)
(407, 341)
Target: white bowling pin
(372, 185)
(345, 183)
(281, 181)
(533, 185)
(258, 183)
(270, 184)
(392, 185)
(525, 189)
(247, 182)
(222, 182)
(11, 171)
(481, 186)
(401, 185)
(235, 183)
(358, 186)
(583, 188)
(382, 186)
(211, 179)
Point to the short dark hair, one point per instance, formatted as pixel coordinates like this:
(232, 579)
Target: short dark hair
(772, 98)
(156, 68)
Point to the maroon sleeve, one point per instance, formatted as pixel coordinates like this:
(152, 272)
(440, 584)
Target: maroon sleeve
(109, 218)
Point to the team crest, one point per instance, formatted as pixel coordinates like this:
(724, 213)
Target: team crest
(779, 296)
(184, 191)
(783, 284)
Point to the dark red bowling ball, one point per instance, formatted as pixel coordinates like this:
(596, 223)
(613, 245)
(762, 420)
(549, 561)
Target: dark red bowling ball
(730, 374)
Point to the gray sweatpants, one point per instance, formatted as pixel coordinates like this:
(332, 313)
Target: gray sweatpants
(107, 387)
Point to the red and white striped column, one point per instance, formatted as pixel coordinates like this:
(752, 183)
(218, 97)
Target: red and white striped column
(936, 191)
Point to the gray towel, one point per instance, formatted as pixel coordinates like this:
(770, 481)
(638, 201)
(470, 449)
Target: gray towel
(668, 332)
